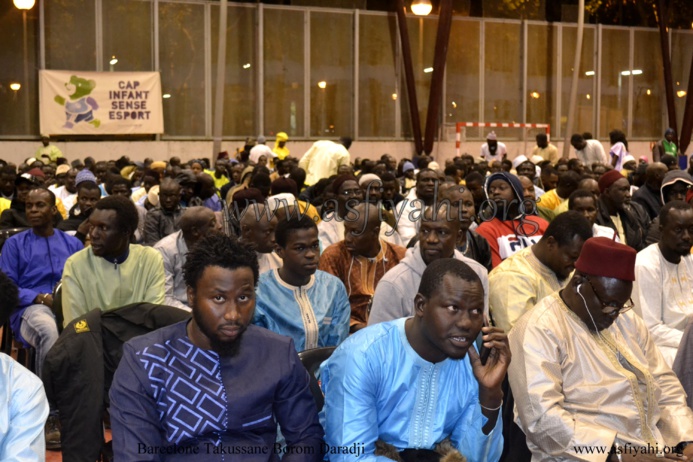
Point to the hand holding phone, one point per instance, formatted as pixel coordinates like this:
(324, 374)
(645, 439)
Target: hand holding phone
(484, 352)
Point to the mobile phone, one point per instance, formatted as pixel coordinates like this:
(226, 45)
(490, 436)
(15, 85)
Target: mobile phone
(484, 352)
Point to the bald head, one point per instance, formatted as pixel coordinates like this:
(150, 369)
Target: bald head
(257, 229)
(655, 174)
(197, 222)
(362, 230)
(591, 185)
(365, 215)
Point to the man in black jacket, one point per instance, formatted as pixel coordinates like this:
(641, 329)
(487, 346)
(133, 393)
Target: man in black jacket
(649, 195)
(78, 372)
(617, 212)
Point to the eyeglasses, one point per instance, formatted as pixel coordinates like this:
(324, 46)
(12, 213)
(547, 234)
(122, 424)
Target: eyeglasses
(611, 308)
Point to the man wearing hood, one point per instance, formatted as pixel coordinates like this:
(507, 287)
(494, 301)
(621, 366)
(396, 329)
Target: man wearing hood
(508, 225)
(438, 237)
(675, 185)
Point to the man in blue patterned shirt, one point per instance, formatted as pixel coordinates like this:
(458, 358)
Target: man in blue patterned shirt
(214, 387)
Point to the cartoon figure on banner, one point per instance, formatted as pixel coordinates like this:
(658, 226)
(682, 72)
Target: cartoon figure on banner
(80, 107)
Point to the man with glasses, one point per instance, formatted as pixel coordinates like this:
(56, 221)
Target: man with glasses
(348, 195)
(663, 276)
(588, 380)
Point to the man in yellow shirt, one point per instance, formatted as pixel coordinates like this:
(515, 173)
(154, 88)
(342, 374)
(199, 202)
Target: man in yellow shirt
(557, 199)
(545, 149)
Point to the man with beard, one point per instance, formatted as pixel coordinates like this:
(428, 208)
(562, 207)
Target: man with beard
(214, 385)
(492, 149)
(414, 387)
(586, 374)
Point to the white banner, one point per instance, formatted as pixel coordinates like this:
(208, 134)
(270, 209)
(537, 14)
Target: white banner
(100, 103)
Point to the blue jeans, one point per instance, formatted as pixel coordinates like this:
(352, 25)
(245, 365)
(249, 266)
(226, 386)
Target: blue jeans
(40, 330)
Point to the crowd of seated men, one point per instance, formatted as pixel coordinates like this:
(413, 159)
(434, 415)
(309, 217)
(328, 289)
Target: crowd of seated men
(488, 309)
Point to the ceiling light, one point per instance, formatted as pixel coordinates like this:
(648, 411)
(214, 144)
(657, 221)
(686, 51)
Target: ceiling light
(24, 4)
(421, 7)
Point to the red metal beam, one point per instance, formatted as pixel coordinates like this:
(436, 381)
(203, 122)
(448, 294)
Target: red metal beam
(687, 124)
(409, 75)
(666, 63)
(439, 58)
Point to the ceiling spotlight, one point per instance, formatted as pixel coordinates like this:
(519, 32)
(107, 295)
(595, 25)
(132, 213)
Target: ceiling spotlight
(24, 4)
(421, 7)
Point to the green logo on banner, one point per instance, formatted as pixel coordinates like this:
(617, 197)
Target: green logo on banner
(80, 106)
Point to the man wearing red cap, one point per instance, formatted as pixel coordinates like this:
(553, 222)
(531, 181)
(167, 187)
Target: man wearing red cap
(616, 211)
(587, 377)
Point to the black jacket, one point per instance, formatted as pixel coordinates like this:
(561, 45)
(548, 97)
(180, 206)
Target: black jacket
(650, 200)
(635, 222)
(79, 369)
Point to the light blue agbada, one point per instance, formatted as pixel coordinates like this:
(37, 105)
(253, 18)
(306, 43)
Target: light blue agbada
(23, 413)
(377, 387)
(314, 315)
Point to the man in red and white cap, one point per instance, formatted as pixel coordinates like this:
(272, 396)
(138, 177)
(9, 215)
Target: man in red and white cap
(587, 377)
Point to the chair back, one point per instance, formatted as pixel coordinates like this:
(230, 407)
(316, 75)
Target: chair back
(58, 304)
(5, 234)
(311, 360)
